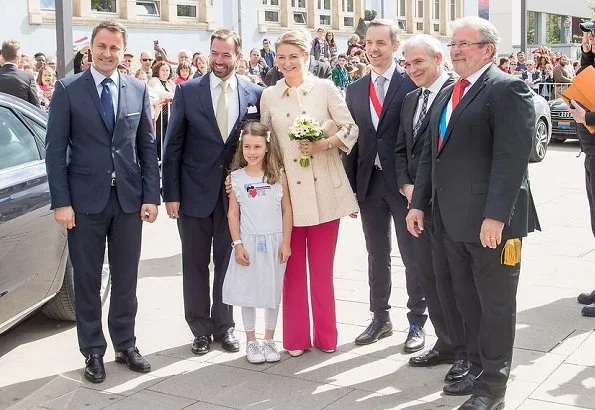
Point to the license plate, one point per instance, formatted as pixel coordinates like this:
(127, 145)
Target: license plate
(564, 124)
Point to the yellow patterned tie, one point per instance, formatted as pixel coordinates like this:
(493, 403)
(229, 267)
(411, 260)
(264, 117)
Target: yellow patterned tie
(221, 113)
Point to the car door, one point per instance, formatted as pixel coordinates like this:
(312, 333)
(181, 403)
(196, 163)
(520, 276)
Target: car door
(31, 243)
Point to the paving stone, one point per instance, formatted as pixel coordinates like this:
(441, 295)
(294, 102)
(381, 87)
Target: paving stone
(150, 400)
(83, 398)
(531, 404)
(569, 384)
(363, 400)
(534, 366)
(584, 354)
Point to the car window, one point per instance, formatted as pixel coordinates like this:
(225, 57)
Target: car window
(37, 128)
(17, 144)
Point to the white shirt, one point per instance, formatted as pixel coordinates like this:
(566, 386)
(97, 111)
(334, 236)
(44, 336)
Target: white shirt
(434, 90)
(388, 75)
(233, 100)
(113, 86)
(472, 80)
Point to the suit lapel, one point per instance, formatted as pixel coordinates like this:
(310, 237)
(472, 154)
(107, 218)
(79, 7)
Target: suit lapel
(467, 98)
(92, 89)
(122, 98)
(426, 121)
(395, 84)
(204, 94)
(410, 117)
(363, 90)
(243, 99)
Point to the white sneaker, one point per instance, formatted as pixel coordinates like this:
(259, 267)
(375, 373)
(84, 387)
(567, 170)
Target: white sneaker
(254, 352)
(269, 348)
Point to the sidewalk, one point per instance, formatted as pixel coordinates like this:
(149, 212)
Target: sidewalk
(553, 367)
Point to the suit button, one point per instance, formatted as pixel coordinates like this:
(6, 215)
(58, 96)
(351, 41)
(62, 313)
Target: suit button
(437, 161)
(295, 160)
(220, 166)
(315, 179)
(113, 149)
(109, 171)
(412, 155)
(298, 182)
(379, 140)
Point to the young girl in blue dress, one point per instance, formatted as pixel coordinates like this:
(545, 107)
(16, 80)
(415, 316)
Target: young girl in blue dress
(260, 222)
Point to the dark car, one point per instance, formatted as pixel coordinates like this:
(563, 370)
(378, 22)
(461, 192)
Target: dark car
(563, 125)
(35, 270)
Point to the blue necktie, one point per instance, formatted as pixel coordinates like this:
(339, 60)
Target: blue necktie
(107, 104)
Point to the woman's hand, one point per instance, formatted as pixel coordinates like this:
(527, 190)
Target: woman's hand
(309, 147)
(284, 252)
(241, 255)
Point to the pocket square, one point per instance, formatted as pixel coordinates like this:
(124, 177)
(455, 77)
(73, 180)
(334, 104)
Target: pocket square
(252, 109)
(132, 113)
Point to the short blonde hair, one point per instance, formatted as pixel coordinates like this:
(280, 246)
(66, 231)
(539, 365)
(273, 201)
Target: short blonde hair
(297, 37)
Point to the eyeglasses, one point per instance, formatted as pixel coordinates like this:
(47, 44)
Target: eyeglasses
(463, 44)
(146, 59)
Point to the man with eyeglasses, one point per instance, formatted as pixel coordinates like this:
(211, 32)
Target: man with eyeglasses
(472, 177)
(146, 62)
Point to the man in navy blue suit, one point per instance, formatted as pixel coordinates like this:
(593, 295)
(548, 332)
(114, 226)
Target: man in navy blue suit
(102, 169)
(202, 136)
(375, 103)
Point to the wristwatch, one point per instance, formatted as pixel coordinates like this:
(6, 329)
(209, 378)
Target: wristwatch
(330, 144)
(236, 243)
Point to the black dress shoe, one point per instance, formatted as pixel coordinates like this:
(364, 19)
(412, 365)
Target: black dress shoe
(416, 339)
(457, 371)
(94, 369)
(134, 360)
(461, 387)
(377, 329)
(229, 342)
(483, 403)
(431, 358)
(586, 298)
(589, 310)
(201, 345)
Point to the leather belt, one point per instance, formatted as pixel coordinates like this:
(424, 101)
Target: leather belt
(113, 182)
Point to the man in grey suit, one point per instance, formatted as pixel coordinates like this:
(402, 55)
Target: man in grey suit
(14, 81)
(423, 62)
(103, 174)
(202, 136)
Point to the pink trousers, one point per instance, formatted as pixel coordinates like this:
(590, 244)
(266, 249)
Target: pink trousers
(318, 243)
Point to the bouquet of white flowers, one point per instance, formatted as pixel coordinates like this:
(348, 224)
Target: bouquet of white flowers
(305, 128)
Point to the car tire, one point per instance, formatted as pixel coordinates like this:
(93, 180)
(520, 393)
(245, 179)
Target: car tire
(540, 141)
(62, 306)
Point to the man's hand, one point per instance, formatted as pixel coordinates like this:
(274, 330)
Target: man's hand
(408, 192)
(65, 217)
(173, 209)
(284, 252)
(228, 185)
(415, 222)
(148, 212)
(242, 255)
(578, 112)
(490, 235)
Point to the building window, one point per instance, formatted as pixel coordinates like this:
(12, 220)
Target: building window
(48, 4)
(419, 10)
(272, 11)
(148, 8)
(436, 9)
(104, 6)
(348, 21)
(298, 4)
(347, 6)
(270, 2)
(271, 16)
(325, 12)
(325, 20)
(187, 8)
(402, 14)
(419, 26)
(453, 10)
(300, 17)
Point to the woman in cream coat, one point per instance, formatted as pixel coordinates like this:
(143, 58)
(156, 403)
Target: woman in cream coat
(320, 193)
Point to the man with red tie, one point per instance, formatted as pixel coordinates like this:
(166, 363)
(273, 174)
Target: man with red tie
(473, 171)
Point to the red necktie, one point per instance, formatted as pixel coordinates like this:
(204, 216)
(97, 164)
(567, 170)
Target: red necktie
(457, 93)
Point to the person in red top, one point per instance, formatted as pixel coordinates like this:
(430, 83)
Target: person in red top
(184, 72)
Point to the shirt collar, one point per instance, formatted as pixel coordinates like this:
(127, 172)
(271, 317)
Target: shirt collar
(475, 76)
(98, 77)
(214, 81)
(304, 88)
(437, 85)
(388, 74)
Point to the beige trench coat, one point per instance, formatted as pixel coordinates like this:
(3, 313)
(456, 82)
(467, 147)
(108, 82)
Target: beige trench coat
(321, 192)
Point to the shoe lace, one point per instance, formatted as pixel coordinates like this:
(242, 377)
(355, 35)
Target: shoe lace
(268, 346)
(415, 330)
(254, 349)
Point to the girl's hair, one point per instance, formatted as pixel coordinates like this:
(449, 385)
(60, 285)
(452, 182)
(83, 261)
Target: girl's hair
(40, 75)
(273, 160)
